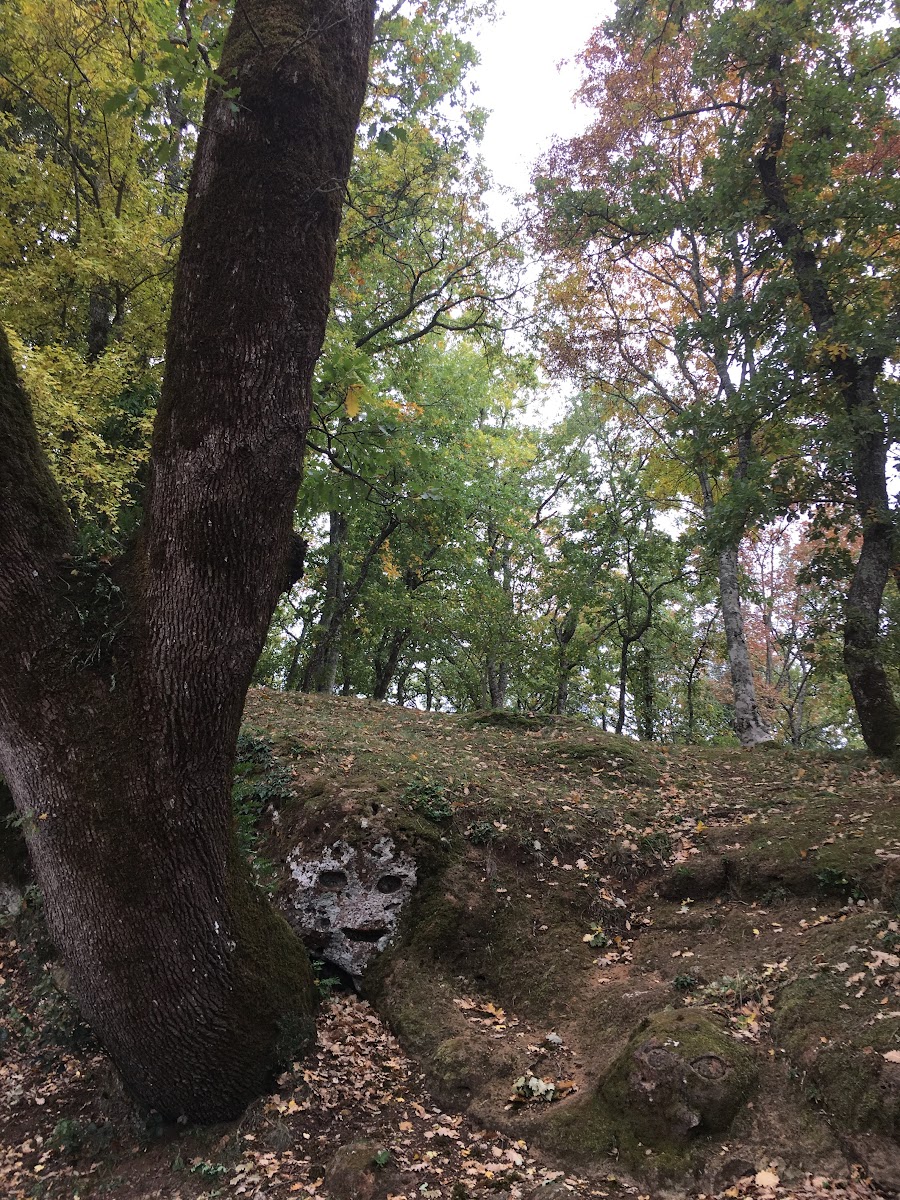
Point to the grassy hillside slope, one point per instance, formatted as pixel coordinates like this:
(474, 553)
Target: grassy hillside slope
(626, 970)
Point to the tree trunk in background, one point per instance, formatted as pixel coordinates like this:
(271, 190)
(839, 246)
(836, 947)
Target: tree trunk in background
(117, 729)
(13, 852)
(564, 632)
(497, 675)
(855, 378)
(873, 696)
(386, 659)
(645, 696)
(562, 693)
(402, 680)
(748, 723)
(321, 667)
(499, 568)
(623, 684)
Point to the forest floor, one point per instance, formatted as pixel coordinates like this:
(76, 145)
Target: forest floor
(578, 886)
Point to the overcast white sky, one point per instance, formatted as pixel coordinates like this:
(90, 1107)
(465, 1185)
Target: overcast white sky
(531, 101)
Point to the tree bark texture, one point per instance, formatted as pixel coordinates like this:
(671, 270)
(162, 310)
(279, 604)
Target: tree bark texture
(117, 730)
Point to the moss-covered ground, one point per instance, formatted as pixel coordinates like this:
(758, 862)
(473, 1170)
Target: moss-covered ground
(576, 889)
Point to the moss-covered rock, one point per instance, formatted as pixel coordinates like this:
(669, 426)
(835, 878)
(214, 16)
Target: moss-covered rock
(680, 1075)
(839, 1053)
(354, 1173)
(680, 1080)
(465, 1065)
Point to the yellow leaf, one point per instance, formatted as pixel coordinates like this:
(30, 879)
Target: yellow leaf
(353, 399)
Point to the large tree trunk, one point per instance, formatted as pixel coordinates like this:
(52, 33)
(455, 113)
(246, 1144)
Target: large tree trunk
(118, 716)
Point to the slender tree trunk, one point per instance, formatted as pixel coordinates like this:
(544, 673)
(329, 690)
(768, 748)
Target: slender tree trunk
(623, 683)
(564, 631)
(496, 669)
(645, 696)
(117, 730)
(692, 674)
(323, 660)
(321, 667)
(748, 723)
(292, 677)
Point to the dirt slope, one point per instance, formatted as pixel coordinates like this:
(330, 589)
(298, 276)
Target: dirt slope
(624, 970)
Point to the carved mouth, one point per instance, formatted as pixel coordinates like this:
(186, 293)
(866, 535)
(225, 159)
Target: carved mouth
(364, 935)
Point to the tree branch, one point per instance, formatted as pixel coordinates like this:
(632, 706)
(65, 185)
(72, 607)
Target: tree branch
(35, 527)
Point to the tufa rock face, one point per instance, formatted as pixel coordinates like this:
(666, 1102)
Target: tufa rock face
(348, 900)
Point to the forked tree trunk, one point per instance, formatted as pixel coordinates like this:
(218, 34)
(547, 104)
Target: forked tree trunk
(118, 718)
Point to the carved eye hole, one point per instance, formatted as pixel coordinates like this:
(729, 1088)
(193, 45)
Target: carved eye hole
(390, 883)
(710, 1066)
(333, 880)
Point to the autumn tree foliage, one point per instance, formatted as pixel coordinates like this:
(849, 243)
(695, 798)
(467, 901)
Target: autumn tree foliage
(728, 234)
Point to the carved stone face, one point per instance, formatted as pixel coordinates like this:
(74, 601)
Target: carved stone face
(348, 900)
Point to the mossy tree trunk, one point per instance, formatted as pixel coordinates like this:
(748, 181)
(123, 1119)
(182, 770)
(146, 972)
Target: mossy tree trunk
(122, 684)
